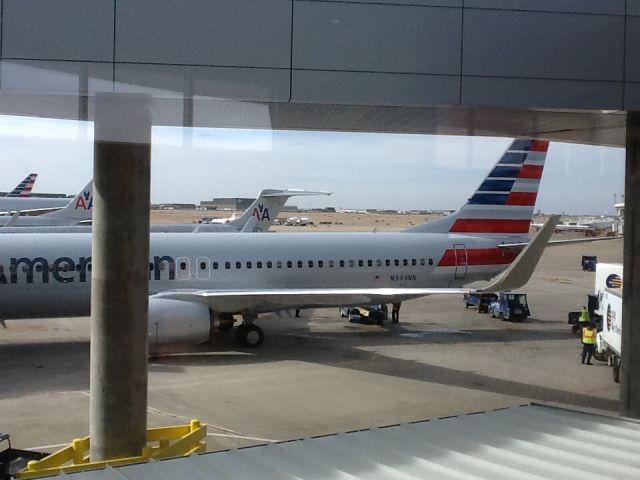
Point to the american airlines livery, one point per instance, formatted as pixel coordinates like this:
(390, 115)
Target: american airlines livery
(199, 281)
(23, 189)
(76, 211)
(258, 217)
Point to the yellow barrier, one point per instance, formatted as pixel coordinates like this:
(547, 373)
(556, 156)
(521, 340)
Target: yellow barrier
(176, 441)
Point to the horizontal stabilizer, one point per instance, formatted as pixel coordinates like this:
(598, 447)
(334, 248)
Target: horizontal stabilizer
(520, 271)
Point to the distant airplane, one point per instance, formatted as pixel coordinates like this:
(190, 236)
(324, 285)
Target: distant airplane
(31, 205)
(23, 189)
(198, 280)
(589, 227)
(298, 221)
(76, 211)
(257, 218)
(264, 209)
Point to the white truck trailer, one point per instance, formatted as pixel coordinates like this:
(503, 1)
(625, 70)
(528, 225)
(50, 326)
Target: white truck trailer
(608, 288)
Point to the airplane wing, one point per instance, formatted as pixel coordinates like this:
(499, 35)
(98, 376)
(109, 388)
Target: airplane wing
(271, 300)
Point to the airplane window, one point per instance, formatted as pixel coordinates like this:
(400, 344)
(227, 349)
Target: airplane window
(360, 263)
(215, 265)
(299, 263)
(248, 264)
(405, 262)
(378, 263)
(369, 263)
(320, 263)
(227, 265)
(352, 263)
(289, 264)
(431, 261)
(422, 261)
(387, 262)
(342, 263)
(203, 265)
(330, 263)
(183, 266)
(238, 265)
(258, 264)
(279, 264)
(396, 262)
(413, 262)
(269, 264)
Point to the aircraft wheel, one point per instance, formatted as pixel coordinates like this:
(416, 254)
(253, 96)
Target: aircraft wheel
(250, 336)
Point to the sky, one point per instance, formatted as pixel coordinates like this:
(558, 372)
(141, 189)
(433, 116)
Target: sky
(362, 170)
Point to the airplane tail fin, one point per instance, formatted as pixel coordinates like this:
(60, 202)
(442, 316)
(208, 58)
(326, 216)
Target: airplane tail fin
(503, 203)
(23, 189)
(79, 209)
(266, 208)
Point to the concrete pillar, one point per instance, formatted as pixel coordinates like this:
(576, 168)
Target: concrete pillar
(630, 374)
(120, 276)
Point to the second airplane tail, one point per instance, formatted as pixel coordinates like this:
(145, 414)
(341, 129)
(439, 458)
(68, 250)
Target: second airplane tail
(503, 203)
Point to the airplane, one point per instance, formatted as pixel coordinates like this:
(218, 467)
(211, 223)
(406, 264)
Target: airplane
(200, 281)
(23, 189)
(77, 210)
(298, 221)
(31, 205)
(264, 209)
(588, 227)
(258, 217)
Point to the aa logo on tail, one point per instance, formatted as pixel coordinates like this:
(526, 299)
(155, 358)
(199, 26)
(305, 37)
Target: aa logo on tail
(261, 212)
(84, 201)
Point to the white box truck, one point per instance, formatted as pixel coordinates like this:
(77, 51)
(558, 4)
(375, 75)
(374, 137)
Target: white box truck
(608, 288)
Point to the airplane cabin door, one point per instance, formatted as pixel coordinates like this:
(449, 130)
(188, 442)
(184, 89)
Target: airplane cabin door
(461, 260)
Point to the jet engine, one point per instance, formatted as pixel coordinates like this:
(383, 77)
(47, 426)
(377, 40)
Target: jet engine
(178, 321)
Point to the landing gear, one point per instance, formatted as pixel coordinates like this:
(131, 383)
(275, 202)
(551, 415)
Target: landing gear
(249, 335)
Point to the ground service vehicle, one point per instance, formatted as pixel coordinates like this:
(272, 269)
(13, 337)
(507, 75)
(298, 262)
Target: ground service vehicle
(480, 300)
(368, 314)
(608, 288)
(510, 306)
(12, 460)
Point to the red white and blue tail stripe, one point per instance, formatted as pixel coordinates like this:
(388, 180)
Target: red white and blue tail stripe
(504, 201)
(24, 187)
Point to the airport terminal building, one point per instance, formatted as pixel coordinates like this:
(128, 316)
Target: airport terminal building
(556, 70)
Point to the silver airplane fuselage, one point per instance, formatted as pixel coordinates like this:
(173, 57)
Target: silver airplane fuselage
(48, 275)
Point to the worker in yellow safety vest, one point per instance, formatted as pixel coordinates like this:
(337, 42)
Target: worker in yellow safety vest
(588, 342)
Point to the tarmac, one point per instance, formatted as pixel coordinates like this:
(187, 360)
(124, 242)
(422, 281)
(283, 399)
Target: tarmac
(320, 374)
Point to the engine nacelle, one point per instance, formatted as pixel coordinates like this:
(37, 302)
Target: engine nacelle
(178, 321)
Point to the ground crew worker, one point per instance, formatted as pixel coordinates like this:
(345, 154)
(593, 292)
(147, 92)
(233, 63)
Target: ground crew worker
(395, 312)
(588, 342)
